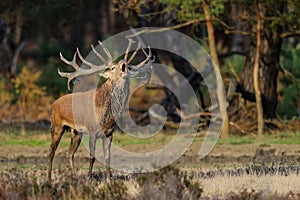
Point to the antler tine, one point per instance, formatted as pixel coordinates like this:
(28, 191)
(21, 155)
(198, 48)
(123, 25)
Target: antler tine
(70, 76)
(146, 52)
(78, 71)
(72, 63)
(107, 53)
(128, 48)
(135, 52)
(146, 60)
(91, 65)
(99, 55)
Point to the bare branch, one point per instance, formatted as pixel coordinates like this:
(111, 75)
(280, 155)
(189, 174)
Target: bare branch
(166, 28)
(153, 13)
(287, 74)
(222, 22)
(238, 32)
(237, 127)
(225, 55)
(290, 34)
(13, 68)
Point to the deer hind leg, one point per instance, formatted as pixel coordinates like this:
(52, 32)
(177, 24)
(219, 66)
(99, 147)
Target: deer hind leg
(92, 146)
(75, 142)
(106, 151)
(56, 134)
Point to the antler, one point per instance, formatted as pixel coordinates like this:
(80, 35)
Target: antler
(109, 63)
(143, 67)
(80, 71)
(137, 67)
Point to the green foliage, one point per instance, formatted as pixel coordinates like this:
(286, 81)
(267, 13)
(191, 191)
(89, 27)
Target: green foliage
(278, 13)
(289, 105)
(55, 85)
(187, 10)
(236, 62)
(48, 49)
(287, 108)
(48, 57)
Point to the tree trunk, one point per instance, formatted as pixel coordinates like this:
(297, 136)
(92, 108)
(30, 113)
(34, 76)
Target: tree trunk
(213, 52)
(268, 67)
(260, 120)
(111, 16)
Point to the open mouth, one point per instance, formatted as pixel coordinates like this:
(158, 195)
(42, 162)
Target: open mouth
(124, 68)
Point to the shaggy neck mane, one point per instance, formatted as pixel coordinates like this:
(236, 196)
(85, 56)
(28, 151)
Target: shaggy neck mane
(116, 96)
(119, 97)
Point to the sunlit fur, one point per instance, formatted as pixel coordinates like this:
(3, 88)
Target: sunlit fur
(95, 115)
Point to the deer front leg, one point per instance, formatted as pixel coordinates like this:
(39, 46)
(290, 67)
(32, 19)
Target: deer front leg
(106, 151)
(92, 145)
(75, 142)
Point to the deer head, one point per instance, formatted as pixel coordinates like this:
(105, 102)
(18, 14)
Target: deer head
(121, 70)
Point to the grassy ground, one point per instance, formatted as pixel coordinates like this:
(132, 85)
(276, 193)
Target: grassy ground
(223, 174)
(42, 138)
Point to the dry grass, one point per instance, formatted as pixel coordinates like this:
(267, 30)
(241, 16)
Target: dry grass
(264, 187)
(33, 184)
(168, 183)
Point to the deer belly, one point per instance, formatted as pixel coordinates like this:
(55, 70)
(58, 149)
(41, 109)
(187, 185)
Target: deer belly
(77, 127)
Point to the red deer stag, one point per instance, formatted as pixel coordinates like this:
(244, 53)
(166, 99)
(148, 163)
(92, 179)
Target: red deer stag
(108, 100)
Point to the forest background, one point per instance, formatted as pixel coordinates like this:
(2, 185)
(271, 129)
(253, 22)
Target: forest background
(32, 33)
